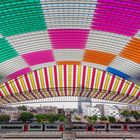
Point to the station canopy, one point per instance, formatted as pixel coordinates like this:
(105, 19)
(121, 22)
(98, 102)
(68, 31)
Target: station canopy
(87, 48)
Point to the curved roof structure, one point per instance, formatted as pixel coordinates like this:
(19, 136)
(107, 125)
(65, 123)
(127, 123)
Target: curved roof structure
(69, 80)
(98, 33)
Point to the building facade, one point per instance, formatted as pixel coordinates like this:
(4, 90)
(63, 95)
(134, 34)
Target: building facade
(91, 111)
(83, 103)
(111, 111)
(101, 110)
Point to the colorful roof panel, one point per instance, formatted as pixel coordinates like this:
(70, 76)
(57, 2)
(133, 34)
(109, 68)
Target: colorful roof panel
(97, 33)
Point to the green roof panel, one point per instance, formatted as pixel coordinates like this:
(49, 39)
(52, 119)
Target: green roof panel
(6, 50)
(19, 17)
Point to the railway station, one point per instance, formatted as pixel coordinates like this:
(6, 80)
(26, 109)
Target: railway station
(70, 48)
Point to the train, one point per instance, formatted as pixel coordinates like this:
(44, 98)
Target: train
(32, 127)
(73, 127)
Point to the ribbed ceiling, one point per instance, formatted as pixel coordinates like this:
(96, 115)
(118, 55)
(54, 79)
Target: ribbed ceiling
(97, 33)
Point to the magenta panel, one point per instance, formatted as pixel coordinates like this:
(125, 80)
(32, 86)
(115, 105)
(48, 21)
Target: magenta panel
(68, 38)
(38, 57)
(18, 73)
(121, 17)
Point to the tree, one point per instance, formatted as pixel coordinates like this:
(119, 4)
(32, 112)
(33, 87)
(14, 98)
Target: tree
(4, 118)
(94, 118)
(41, 118)
(26, 116)
(51, 118)
(103, 118)
(89, 118)
(77, 118)
(23, 107)
(61, 118)
(135, 114)
(111, 119)
(127, 119)
(126, 113)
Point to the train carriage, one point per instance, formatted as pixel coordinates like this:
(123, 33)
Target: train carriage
(11, 127)
(80, 127)
(133, 127)
(115, 127)
(51, 127)
(74, 126)
(100, 127)
(35, 127)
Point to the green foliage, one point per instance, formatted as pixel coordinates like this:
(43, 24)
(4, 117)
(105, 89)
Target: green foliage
(4, 118)
(126, 113)
(135, 114)
(41, 118)
(92, 118)
(77, 118)
(127, 119)
(51, 118)
(23, 107)
(61, 118)
(26, 116)
(111, 119)
(103, 118)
